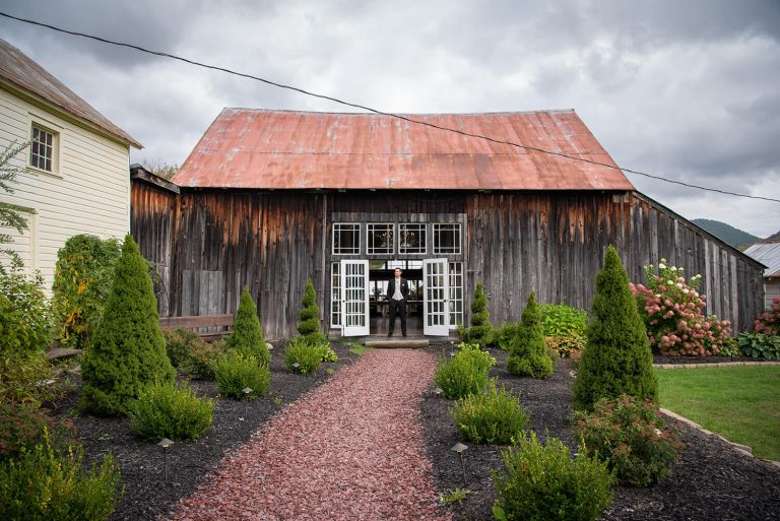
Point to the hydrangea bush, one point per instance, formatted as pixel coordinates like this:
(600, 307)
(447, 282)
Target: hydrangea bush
(674, 313)
(768, 322)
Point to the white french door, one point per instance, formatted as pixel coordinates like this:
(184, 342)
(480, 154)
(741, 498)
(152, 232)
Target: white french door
(436, 311)
(354, 298)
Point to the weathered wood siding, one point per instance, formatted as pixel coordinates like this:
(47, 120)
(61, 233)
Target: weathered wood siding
(152, 212)
(514, 242)
(227, 240)
(553, 244)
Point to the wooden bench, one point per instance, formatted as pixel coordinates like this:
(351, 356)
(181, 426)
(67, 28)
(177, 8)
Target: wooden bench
(207, 326)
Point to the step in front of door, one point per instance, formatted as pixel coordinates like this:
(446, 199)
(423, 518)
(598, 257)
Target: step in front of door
(402, 343)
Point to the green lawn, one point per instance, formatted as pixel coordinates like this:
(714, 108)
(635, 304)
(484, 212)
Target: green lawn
(742, 403)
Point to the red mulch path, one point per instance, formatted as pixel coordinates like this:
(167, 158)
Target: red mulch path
(351, 449)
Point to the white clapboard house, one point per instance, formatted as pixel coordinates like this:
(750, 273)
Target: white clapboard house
(75, 177)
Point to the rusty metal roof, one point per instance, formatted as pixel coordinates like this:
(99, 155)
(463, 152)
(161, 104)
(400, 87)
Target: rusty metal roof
(267, 149)
(21, 72)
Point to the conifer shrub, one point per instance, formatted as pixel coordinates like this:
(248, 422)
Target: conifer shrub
(309, 316)
(617, 358)
(247, 335)
(493, 416)
(528, 354)
(235, 371)
(481, 330)
(630, 437)
(82, 281)
(303, 356)
(52, 484)
(541, 482)
(190, 355)
(465, 373)
(127, 352)
(169, 411)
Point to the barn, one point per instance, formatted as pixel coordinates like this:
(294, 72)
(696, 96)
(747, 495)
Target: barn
(268, 199)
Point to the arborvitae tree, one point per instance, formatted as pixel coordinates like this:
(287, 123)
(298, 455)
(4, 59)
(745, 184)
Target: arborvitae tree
(309, 317)
(481, 330)
(617, 358)
(528, 354)
(127, 351)
(247, 335)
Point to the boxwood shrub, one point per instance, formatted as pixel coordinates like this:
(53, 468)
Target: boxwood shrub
(541, 482)
(50, 484)
(628, 434)
(303, 356)
(167, 411)
(235, 371)
(465, 373)
(493, 416)
(190, 354)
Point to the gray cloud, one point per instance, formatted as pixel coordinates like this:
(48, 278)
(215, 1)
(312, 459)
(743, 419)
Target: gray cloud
(683, 89)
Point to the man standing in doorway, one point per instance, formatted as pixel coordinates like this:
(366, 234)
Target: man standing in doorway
(397, 291)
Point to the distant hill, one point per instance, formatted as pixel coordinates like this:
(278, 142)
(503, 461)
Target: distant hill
(773, 238)
(734, 236)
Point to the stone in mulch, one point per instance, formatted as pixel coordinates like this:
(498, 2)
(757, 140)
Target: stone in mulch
(710, 481)
(148, 494)
(350, 449)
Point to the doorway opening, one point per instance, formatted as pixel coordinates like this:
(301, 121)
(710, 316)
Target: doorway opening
(360, 307)
(379, 275)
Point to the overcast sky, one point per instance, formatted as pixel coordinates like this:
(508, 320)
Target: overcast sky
(688, 90)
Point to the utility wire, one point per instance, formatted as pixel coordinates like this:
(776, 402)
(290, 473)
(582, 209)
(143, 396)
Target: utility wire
(376, 111)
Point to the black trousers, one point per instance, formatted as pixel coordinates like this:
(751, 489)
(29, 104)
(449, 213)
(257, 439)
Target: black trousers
(397, 309)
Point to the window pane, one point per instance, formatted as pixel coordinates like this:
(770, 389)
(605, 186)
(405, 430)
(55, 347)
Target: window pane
(411, 238)
(42, 149)
(335, 295)
(346, 239)
(380, 238)
(446, 238)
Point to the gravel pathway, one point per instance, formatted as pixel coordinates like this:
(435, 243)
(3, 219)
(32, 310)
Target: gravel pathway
(351, 449)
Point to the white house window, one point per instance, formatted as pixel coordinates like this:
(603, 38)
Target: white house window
(43, 148)
(456, 294)
(380, 239)
(446, 238)
(411, 238)
(346, 239)
(335, 294)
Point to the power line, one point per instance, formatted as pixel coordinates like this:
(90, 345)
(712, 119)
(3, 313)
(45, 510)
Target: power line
(375, 111)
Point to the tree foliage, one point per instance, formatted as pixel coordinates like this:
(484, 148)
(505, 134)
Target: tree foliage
(617, 358)
(127, 352)
(82, 282)
(11, 215)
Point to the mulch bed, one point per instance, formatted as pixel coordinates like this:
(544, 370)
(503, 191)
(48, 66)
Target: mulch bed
(710, 480)
(148, 494)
